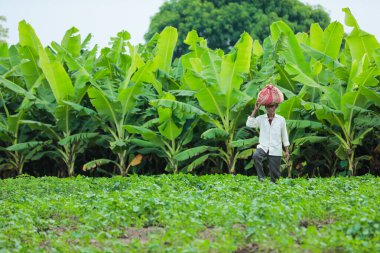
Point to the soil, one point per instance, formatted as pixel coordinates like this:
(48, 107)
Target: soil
(142, 234)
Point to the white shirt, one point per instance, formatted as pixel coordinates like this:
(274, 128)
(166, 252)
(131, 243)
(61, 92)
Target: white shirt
(272, 136)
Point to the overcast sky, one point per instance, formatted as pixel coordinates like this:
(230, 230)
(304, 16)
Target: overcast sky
(104, 18)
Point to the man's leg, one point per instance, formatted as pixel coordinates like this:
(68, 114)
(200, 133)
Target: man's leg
(258, 160)
(274, 167)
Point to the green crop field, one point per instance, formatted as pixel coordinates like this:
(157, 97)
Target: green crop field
(185, 213)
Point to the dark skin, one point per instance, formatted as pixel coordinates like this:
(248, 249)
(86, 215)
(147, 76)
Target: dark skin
(271, 110)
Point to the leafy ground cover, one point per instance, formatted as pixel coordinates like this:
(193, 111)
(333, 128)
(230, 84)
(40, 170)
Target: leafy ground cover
(184, 213)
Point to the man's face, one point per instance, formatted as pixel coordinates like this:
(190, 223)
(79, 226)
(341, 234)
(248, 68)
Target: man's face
(271, 108)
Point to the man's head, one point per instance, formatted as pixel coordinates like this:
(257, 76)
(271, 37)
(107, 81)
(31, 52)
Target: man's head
(271, 108)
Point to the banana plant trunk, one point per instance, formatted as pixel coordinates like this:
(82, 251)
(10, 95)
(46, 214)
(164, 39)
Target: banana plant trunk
(230, 157)
(351, 162)
(122, 163)
(70, 163)
(20, 163)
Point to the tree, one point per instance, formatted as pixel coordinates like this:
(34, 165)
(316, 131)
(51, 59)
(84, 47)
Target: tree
(222, 22)
(3, 30)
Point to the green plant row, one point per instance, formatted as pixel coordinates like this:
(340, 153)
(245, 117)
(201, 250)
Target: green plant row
(125, 107)
(185, 213)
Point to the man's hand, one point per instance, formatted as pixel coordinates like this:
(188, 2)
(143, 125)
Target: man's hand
(257, 106)
(287, 156)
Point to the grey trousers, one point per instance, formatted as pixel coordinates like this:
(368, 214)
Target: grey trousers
(274, 165)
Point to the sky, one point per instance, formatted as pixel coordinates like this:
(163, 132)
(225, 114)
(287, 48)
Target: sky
(105, 18)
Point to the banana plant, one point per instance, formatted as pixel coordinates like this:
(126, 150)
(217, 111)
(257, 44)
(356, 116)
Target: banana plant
(168, 135)
(68, 130)
(217, 80)
(339, 85)
(16, 102)
(359, 96)
(303, 131)
(16, 144)
(129, 83)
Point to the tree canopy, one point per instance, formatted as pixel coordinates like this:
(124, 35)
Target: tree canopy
(3, 30)
(221, 22)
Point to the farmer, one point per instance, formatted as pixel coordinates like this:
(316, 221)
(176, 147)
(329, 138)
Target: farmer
(272, 135)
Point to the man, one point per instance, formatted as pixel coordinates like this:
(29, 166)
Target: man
(273, 134)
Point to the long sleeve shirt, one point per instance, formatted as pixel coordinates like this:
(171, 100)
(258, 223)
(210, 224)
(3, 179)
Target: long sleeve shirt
(272, 136)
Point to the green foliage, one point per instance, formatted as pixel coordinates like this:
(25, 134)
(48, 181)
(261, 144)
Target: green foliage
(222, 22)
(168, 135)
(184, 213)
(133, 107)
(3, 30)
(217, 79)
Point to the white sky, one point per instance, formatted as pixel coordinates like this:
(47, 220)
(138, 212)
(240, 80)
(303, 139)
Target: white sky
(104, 18)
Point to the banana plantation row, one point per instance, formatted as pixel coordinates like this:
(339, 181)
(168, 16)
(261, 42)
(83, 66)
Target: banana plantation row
(127, 107)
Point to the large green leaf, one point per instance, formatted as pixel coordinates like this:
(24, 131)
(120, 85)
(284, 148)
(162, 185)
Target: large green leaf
(146, 133)
(297, 73)
(59, 81)
(190, 153)
(24, 146)
(332, 39)
(372, 96)
(14, 121)
(82, 110)
(44, 128)
(290, 108)
(361, 135)
(293, 53)
(29, 69)
(82, 67)
(327, 42)
(170, 122)
(367, 77)
(309, 140)
(128, 97)
(168, 127)
(136, 63)
(143, 143)
(247, 153)
(106, 108)
(302, 124)
(28, 37)
(350, 99)
(118, 47)
(214, 133)
(334, 117)
(75, 138)
(359, 41)
(72, 42)
(15, 88)
(165, 48)
(176, 105)
(323, 58)
(367, 120)
(235, 64)
(209, 98)
(97, 163)
(245, 142)
(195, 163)
(316, 35)
(146, 74)
(333, 95)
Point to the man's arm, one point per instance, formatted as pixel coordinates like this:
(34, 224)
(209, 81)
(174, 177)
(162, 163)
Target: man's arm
(252, 121)
(287, 155)
(257, 106)
(285, 140)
